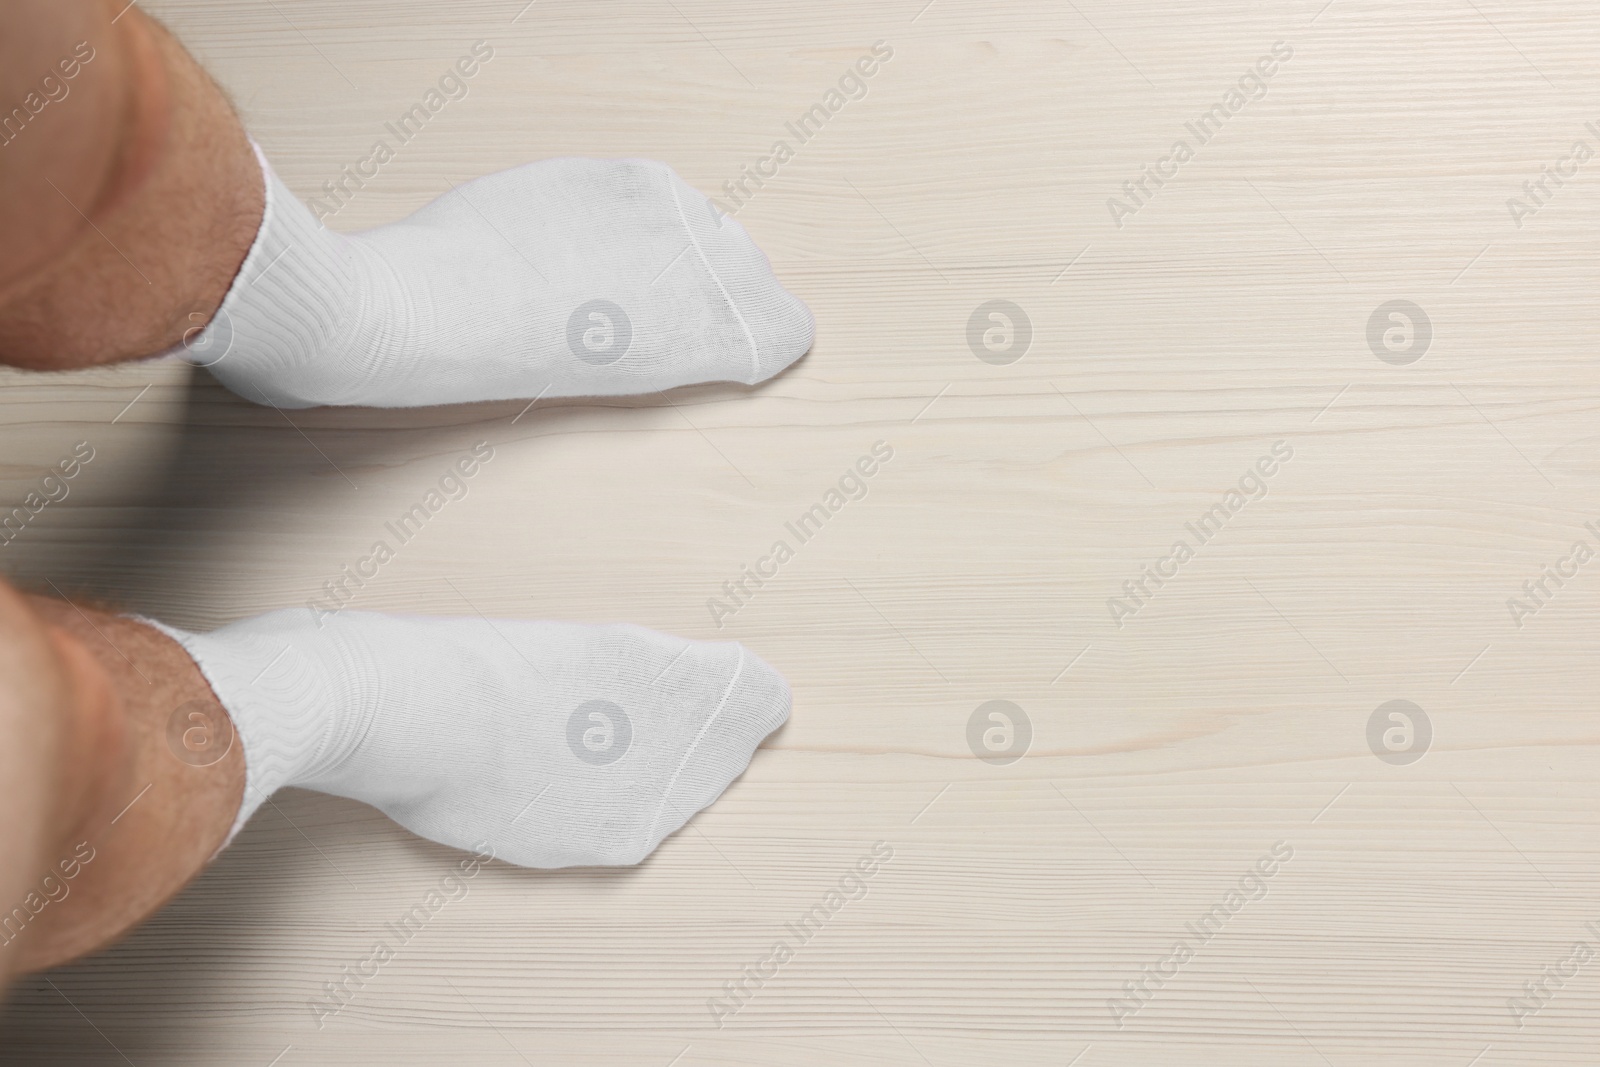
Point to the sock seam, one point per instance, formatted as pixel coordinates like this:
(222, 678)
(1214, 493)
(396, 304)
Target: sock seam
(755, 354)
(694, 745)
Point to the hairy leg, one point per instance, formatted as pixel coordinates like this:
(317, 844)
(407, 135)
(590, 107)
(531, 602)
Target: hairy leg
(138, 744)
(129, 194)
(137, 198)
(119, 777)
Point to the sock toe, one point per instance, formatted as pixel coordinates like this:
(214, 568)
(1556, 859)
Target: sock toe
(781, 326)
(755, 704)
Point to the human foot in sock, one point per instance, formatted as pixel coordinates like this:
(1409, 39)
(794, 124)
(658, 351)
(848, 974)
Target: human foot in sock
(570, 277)
(559, 744)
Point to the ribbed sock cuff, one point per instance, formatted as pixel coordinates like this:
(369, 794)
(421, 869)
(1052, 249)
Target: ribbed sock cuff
(275, 695)
(294, 296)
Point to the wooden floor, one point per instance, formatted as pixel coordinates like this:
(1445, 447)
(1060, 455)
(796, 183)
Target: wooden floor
(1098, 901)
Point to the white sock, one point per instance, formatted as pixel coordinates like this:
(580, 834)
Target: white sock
(558, 744)
(569, 277)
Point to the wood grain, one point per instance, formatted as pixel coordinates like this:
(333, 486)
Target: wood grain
(1168, 755)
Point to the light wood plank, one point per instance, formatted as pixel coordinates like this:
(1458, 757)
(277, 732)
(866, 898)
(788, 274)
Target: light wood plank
(1229, 714)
